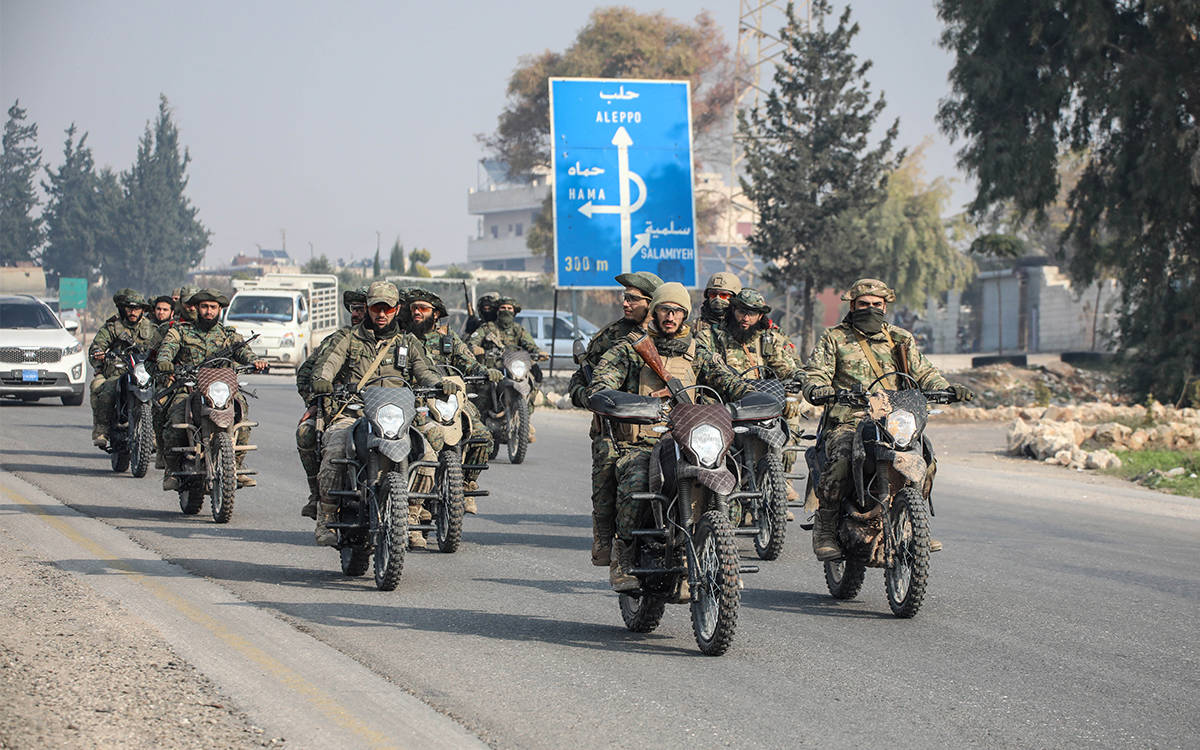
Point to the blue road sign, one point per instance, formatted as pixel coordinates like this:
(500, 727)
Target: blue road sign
(622, 162)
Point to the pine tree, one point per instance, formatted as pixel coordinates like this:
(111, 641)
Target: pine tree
(809, 169)
(21, 233)
(396, 259)
(375, 267)
(76, 216)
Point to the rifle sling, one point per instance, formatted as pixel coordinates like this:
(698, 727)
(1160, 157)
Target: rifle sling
(889, 382)
(367, 375)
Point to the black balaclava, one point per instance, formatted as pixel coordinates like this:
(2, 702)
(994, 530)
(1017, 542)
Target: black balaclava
(714, 310)
(487, 314)
(506, 318)
(869, 320)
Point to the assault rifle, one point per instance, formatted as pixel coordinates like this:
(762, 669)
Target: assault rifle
(645, 348)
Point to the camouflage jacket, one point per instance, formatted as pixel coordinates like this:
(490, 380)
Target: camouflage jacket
(494, 341)
(117, 334)
(460, 356)
(304, 371)
(603, 340)
(187, 345)
(352, 350)
(767, 347)
(838, 360)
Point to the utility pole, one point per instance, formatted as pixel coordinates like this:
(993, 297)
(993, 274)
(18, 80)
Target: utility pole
(283, 239)
(311, 251)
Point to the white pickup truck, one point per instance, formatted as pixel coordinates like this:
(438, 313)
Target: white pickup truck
(292, 313)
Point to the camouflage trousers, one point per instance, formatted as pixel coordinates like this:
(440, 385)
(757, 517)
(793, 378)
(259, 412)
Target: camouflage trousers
(632, 475)
(604, 481)
(176, 413)
(102, 394)
(329, 474)
(306, 445)
(834, 482)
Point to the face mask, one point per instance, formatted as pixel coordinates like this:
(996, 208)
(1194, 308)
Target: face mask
(714, 309)
(869, 320)
(506, 318)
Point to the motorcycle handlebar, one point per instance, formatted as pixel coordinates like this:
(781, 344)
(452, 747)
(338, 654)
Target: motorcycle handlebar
(859, 398)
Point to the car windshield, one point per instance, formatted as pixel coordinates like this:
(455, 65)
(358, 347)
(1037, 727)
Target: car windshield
(26, 314)
(251, 307)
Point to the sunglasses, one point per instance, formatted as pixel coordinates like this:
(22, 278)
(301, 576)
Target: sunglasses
(674, 312)
(634, 298)
(382, 307)
(420, 308)
(717, 295)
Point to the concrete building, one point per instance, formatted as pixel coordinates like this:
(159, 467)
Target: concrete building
(506, 211)
(1033, 307)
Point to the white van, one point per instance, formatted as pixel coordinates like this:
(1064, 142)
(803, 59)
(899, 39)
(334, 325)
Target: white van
(291, 313)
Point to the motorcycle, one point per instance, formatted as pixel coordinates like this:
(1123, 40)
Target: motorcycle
(212, 417)
(684, 548)
(884, 523)
(131, 426)
(507, 415)
(759, 506)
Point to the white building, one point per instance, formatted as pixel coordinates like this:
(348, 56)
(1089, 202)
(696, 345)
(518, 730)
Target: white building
(506, 212)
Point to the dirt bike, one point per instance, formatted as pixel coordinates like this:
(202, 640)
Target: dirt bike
(884, 522)
(759, 506)
(212, 417)
(507, 415)
(131, 425)
(684, 549)
(444, 502)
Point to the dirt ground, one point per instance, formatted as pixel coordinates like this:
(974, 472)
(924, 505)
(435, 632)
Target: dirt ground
(77, 671)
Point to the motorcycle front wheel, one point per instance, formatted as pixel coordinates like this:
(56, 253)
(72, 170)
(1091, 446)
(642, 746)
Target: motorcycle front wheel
(448, 519)
(642, 613)
(717, 595)
(141, 438)
(844, 578)
(389, 509)
(191, 499)
(119, 457)
(905, 580)
(772, 516)
(518, 427)
(224, 479)
(355, 561)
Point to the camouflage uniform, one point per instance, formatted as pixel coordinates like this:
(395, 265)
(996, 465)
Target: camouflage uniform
(159, 407)
(306, 431)
(495, 339)
(116, 334)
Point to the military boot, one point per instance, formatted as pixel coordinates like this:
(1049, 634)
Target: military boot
(532, 432)
(469, 500)
(792, 496)
(314, 493)
(160, 463)
(602, 534)
(416, 539)
(243, 480)
(326, 514)
(618, 569)
(824, 535)
(100, 436)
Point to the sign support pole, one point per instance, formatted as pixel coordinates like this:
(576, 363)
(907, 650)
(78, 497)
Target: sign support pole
(553, 330)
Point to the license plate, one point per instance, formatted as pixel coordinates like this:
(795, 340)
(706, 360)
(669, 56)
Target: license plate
(29, 376)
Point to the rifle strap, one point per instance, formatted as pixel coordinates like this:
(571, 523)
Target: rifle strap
(379, 355)
(889, 382)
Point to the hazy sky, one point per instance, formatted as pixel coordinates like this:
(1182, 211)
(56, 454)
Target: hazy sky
(335, 120)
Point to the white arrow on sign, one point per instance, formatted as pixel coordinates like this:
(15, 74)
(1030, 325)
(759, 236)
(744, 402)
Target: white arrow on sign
(623, 208)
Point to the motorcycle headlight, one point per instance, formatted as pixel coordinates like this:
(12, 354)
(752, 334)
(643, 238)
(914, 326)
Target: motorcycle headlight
(446, 409)
(901, 425)
(391, 420)
(72, 349)
(142, 376)
(705, 441)
(218, 394)
(517, 369)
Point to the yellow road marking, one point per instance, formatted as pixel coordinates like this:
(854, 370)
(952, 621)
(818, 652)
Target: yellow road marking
(324, 703)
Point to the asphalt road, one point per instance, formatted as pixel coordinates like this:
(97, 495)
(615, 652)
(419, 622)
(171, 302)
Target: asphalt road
(1062, 612)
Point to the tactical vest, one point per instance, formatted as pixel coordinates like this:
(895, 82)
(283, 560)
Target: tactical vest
(649, 382)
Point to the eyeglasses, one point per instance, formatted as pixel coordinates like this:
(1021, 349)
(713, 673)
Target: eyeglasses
(419, 307)
(632, 298)
(381, 307)
(713, 293)
(672, 312)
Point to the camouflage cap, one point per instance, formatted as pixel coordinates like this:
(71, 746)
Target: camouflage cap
(354, 297)
(130, 298)
(752, 300)
(384, 292)
(488, 299)
(725, 281)
(175, 293)
(185, 292)
(672, 293)
(208, 295)
(508, 301)
(872, 287)
(641, 280)
(424, 295)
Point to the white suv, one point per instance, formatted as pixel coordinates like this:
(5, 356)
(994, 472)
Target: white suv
(39, 357)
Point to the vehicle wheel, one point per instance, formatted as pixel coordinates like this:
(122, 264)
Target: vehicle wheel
(717, 595)
(355, 561)
(844, 578)
(390, 512)
(495, 448)
(518, 428)
(449, 517)
(141, 441)
(224, 483)
(190, 500)
(72, 400)
(905, 580)
(642, 613)
(119, 458)
(772, 518)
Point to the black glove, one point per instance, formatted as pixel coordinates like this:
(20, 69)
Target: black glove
(321, 385)
(820, 394)
(962, 393)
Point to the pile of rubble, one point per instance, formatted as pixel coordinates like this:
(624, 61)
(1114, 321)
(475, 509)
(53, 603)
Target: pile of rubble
(1055, 383)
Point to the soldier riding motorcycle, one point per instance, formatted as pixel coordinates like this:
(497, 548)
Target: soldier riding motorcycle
(131, 426)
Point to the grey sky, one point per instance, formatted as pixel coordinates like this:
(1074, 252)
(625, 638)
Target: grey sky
(334, 120)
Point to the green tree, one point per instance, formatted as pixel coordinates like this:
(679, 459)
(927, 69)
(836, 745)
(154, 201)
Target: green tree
(21, 233)
(319, 264)
(810, 171)
(1116, 84)
(161, 238)
(417, 258)
(396, 260)
(78, 213)
(375, 267)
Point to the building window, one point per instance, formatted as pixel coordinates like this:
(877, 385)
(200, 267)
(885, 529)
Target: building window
(520, 230)
(495, 231)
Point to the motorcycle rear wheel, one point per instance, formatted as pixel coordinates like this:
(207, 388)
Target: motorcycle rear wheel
(355, 561)
(119, 457)
(191, 499)
(224, 480)
(517, 425)
(141, 438)
(717, 595)
(844, 578)
(389, 505)
(642, 613)
(907, 577)
(772, 516)
(450, 508)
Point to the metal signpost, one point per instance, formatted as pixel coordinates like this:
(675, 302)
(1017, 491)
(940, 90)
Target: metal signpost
(622, 163)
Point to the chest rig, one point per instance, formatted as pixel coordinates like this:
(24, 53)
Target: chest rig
(649, 384)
